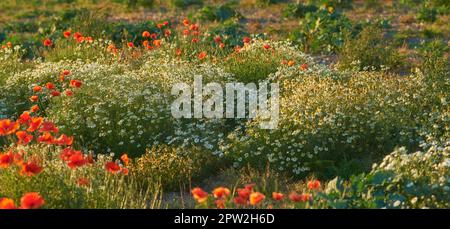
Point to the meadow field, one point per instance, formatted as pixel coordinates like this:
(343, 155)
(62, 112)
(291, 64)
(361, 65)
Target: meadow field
(86, 88)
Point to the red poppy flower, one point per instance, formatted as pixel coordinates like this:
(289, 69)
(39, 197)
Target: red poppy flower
(125, 159)
(244, 193)
(46, 138)
(7, 203)
(240, 201)
(266, 46)
(146, 34)
(153, 36)
(246, 40)
(34, 108)
(199, 195)
(30, 169)
(75, 83)
(48, 127)
(89, 39)
(313, 185)
(24, 137)
(8, 127)
(80, 39)
(218, 39)
(112, 167)
(50, 86)
(55, 93)
(220, 192)
(68, 92)
(222, 45)
(47, 42)
(35, 124)
(194, 27)
(179, 52)
(194, 40)
(186, 32)
(83, 181)
(130, 44)
(64, 140)
(124, 171)
(256, 198)
(6, 159)
(66, 153)
(67, 33)
(76, 160)
(66, 72)
(24, 118)
(167, 32)
(77, 35)
(160, 25)
(31, 200)
(277, 196)
(202, 55)
(149, 47)
(37, 88)
(304, 67)
(249, 187)
(294, 197)
(237, 48)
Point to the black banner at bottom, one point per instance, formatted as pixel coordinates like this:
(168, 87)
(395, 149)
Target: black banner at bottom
(218, 218)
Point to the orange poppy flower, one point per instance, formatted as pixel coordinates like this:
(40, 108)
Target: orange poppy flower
(124, 171)
(34, 108)
(125, 159)
(37, 88)
(179, 52)
(146, 34)
(67, 34)
(75, 83)
(157, 43)
(31, 200)
(7, 203)
(34, 98)
(222, 45)
(47, 42)
(220, 192)
(30, 169)
(199, 195)
(8, 127)
(313, 185)
(24, 137)
(145, 43)
(35, 124)
(291, 63)
(220, 203)
(186, 22)
(89, 39)
(277, 196)
(194, 27)
(46, 138)
(186, 32)
(80, 39)
(6, 159)
(9, 44)
(112, 167)
(202, 55)
(256, 198)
